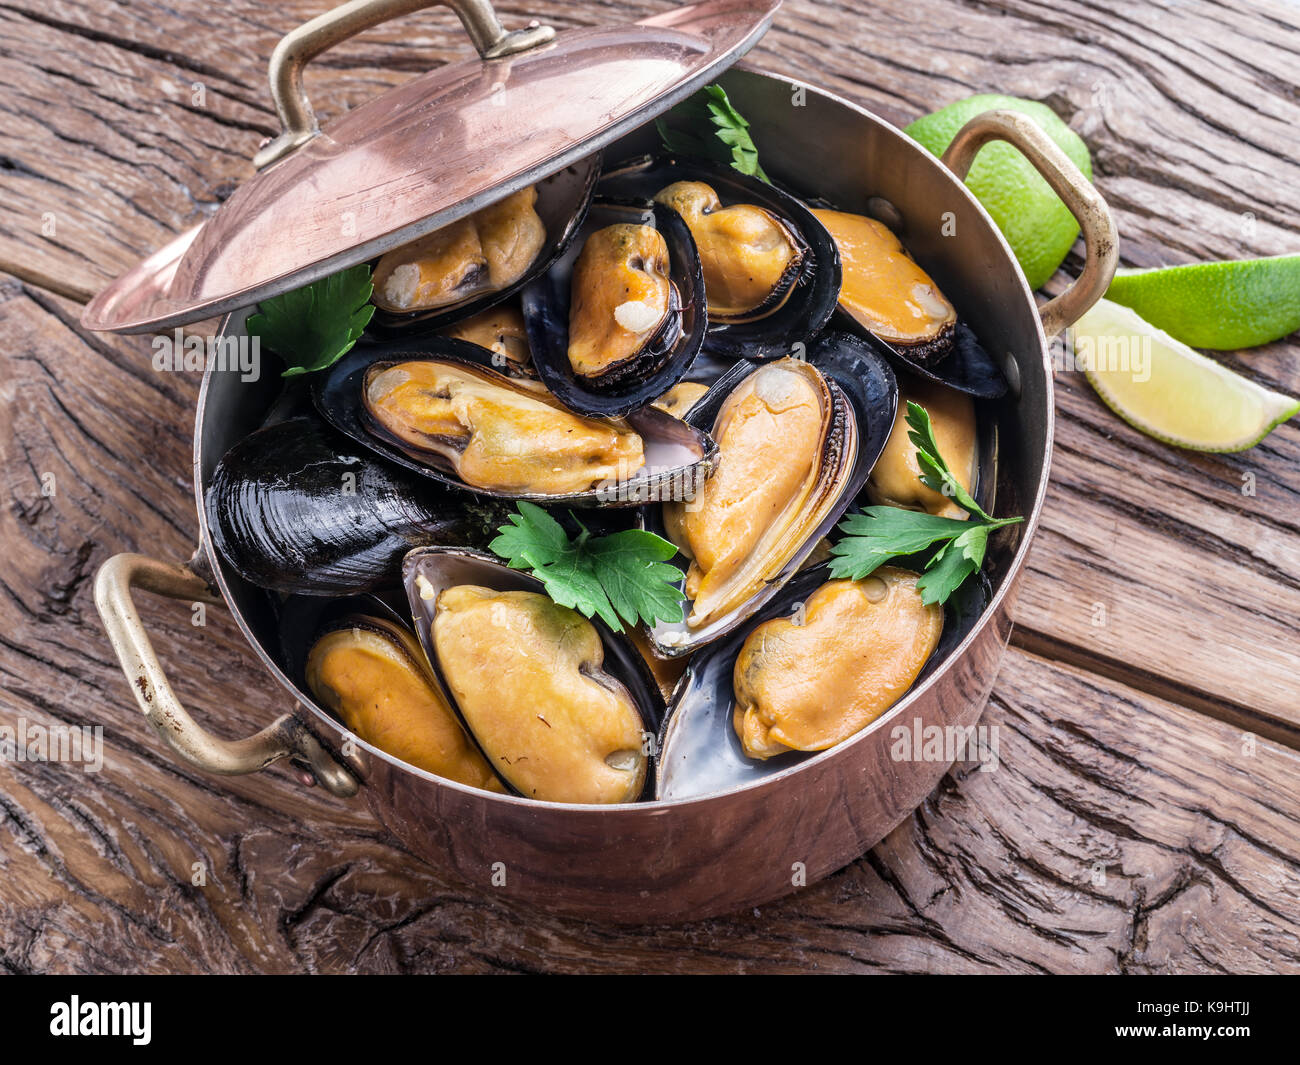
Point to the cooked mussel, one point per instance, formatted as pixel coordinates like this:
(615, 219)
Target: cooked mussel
(771, 271)
(620, 317)
(796, 441)
(809, 683)
(820, 662)
(896, 478)
(467, 265)
(751, 257)
(888, 296)
(787, 440)
(373, 674)
(447, 414)
(622, 299)
(495, 435)
(559, 704)
(967, 435)
(500, 330)
(299, 507)
(681, 397)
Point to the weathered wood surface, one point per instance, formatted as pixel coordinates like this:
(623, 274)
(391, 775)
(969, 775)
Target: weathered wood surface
(107, 148)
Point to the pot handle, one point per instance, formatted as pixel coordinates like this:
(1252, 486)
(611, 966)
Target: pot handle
(1101, 241)
(286, 737)
(298, 47)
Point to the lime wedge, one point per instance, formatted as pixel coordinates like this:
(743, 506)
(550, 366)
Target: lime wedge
(1037, 225)
(1220, 305)
(1164, 388)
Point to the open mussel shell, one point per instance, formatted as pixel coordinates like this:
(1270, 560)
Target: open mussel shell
(699, 751)
(809, 300)
(677, 455)
(297, 507)
(966, 365)
(664, 358)
(428, 572)
(562, 202)
(870, 389)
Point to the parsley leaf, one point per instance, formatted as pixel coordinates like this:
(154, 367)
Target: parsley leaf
(935, 473)
(879, 534)
(625, 575)
(731, 141)
(313, 327)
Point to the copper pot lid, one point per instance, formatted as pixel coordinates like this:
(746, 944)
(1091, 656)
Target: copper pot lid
(425, 153)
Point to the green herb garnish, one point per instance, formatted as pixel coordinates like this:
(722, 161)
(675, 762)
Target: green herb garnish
(313, 327)
(879, 534)
(730, 143)
(623, 575)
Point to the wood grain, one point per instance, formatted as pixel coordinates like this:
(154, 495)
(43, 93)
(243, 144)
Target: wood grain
(1122, 832)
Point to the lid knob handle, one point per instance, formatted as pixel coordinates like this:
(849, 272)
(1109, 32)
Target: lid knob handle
(298, 47)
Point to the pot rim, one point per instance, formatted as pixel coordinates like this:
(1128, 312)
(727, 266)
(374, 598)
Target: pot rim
(654, 806)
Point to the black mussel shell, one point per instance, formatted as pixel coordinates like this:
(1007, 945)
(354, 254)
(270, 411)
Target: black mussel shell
(677, 454)
(811, 300)
(446, 568)
(869, 386)
(699, 751)
(562, 202)
(667, 356)
(962, 363)
(299, 508)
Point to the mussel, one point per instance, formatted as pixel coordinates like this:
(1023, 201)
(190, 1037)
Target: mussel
(500, 330)
(788, 439)
(888, 296)
(810, 683)
(751, 256)
(620, 317)
(796, 440)
(372, 673)
(896, 478)
(771, 271)
(819, 663)
(681, 397)
(447, 414)
(298, 507)
(560, 705)
(480, 260)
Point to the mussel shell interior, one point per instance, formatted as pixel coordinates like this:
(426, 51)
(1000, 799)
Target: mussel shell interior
(562, 202)
(812, 299)
(448, 567)
(546, 301)
(676, 453)
(872, 391)
(699, 751)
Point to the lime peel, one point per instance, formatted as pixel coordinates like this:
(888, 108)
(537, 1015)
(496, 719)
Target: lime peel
(1223, 305)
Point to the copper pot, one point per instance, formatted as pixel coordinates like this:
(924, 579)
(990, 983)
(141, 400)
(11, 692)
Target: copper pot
(687, 859)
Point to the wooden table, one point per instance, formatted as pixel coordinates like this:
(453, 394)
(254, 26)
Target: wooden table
(1144, 817)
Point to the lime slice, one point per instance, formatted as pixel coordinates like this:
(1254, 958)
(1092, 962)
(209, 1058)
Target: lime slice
(1163, 387)
(1221, 305)
(1037, 225)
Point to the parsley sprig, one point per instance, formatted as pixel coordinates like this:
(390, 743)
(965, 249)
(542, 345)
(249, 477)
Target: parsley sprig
(313, 327)
(624, 575)
(878, 534)
(731, 141)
